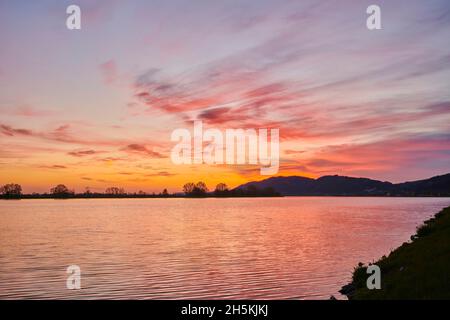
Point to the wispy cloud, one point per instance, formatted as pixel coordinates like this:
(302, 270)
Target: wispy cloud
(83, 153)
(54, 166)
(142, 149)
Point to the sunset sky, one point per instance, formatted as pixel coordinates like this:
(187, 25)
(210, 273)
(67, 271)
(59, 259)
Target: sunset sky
(95, 107)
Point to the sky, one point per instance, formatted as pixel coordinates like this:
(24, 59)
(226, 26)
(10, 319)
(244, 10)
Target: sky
(96, 107)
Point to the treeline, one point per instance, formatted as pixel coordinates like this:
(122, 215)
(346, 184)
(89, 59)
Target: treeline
(200, 190)
(190, 190)
(14, 191)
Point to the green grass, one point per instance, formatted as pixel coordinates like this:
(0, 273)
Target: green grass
(416, 270)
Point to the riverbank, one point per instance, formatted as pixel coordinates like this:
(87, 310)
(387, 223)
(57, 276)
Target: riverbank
(134, 196)
(419, 269)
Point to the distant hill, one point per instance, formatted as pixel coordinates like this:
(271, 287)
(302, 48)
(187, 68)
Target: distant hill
(349, 186)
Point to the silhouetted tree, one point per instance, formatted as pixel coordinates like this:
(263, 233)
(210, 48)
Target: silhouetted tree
(201, 186)
(115, 191)
(198, 190)
(165, 193)
(11, 190)
(221, 187)
(61, 191)
(221, 190)
(188, 188)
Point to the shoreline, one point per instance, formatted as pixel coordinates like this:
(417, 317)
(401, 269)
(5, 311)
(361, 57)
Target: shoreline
(130, 197)
(36, 197)
(418, 269)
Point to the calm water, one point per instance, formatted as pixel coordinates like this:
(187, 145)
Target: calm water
(282, 248)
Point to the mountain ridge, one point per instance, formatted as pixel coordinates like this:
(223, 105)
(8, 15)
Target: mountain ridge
(336, 185)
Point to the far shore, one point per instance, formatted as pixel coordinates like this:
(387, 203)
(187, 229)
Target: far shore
(131, 196)
(180, 196)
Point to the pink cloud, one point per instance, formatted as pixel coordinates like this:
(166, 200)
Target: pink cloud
(27, 111)
(108, 71)
(10, 131)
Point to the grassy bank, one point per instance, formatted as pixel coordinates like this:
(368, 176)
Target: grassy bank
(416, 270)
